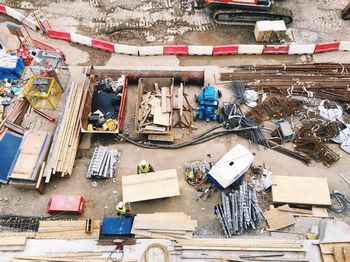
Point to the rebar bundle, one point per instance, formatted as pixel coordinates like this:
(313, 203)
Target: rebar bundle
(239, 211)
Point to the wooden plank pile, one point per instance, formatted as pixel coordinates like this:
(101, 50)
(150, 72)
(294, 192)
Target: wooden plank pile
(65, 257)
(12, 242)
(149, 186)
(14, 115)
(69, 229)
(155, 106)
(284, 216)
(66, 139)
(173, 225)
(33, 151)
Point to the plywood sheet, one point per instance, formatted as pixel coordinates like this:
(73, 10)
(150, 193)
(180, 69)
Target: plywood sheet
(300, 190)
(162, 119)
(150, 186)
(277, 219)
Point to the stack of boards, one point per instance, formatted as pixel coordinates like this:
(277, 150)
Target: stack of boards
(27, 171)
(70, 229)
(172, 225)
(13, 241)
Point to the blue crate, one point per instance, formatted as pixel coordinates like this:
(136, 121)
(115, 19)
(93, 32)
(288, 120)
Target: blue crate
(116, 225)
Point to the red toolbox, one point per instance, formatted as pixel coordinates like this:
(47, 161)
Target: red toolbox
(71, 204)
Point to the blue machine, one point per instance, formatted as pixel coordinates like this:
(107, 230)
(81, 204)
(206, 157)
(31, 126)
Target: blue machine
(208, 103)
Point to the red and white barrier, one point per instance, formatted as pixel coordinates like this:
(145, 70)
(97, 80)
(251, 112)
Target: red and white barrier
(250, 49)
(102, 45)
(327, 47)
(225, 50)
(80, 39)
(200, 50)
(126, 49)
(276, 49)
(150, 50)
(296, 49)
(175, 50)
(344, 46)
(59, 35)
(21, 18)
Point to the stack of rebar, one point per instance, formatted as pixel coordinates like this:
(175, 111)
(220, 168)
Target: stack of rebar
(325, 81)
(239, 211)
(311, 139)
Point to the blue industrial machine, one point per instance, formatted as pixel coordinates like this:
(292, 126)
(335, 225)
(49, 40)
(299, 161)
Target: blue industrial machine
(208, 103)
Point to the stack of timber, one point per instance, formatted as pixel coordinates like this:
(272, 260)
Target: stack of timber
(66, 139)
(66, 257)
(69, 229)
(284, 216)
(240, 249)
(12, 241)
(14, 116)
(325, 80)
(28, 170)
(173, 225)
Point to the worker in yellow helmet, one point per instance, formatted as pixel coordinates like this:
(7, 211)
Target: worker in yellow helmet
(122, 210)
(144, 167)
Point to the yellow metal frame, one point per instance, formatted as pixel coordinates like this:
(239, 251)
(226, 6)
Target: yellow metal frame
(34, 96)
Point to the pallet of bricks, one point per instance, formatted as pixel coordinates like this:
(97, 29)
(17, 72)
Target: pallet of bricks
(65, 143)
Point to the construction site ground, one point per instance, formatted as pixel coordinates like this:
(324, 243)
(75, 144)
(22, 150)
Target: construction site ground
(314, 20)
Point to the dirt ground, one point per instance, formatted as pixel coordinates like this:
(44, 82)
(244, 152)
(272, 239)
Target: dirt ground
(170, 21)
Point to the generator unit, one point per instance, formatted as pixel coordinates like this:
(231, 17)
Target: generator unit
(208, 104)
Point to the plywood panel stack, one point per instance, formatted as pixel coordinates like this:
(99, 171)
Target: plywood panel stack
(66, 139)
(173, 225)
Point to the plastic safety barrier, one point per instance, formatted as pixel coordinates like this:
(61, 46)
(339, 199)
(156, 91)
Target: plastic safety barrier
(250, 49)
(225, 50)
(58, 35)
(126, 49)
(19, 17)
(200, 50)
(2, 9)
(276, 49)
(327, 47)
(175, 50)
(80, 39)
(103, 45)
(296, 49)
(344, 46)
(150, 50)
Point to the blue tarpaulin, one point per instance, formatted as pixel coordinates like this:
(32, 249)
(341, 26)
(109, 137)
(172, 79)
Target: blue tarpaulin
(11, 67)
(9, 146)
(116, 225)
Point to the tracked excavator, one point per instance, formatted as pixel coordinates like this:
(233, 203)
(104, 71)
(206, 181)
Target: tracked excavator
(245, 12)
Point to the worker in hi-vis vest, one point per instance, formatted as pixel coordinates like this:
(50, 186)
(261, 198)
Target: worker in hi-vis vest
(144, 167)
(122, 210)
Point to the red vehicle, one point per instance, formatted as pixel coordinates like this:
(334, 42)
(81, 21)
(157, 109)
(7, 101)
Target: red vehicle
(245, 12)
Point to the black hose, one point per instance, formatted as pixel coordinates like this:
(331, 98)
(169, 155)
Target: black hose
(343, 203)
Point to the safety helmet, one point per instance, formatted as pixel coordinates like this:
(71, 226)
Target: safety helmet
(120, 205)
(143, 162)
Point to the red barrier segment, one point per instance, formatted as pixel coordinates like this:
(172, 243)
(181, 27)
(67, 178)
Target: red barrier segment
(225, 50)
(103, 45)
(2, 9)
(276, 49)
(59, 35)
(327, 47)
(175, 50)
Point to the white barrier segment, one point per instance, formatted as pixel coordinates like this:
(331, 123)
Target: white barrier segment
(250, 49)
(81, 39)
(21, 18)
(150, 50)
(200, 50)
(295, 49)
(126, 49)
(344, 46)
